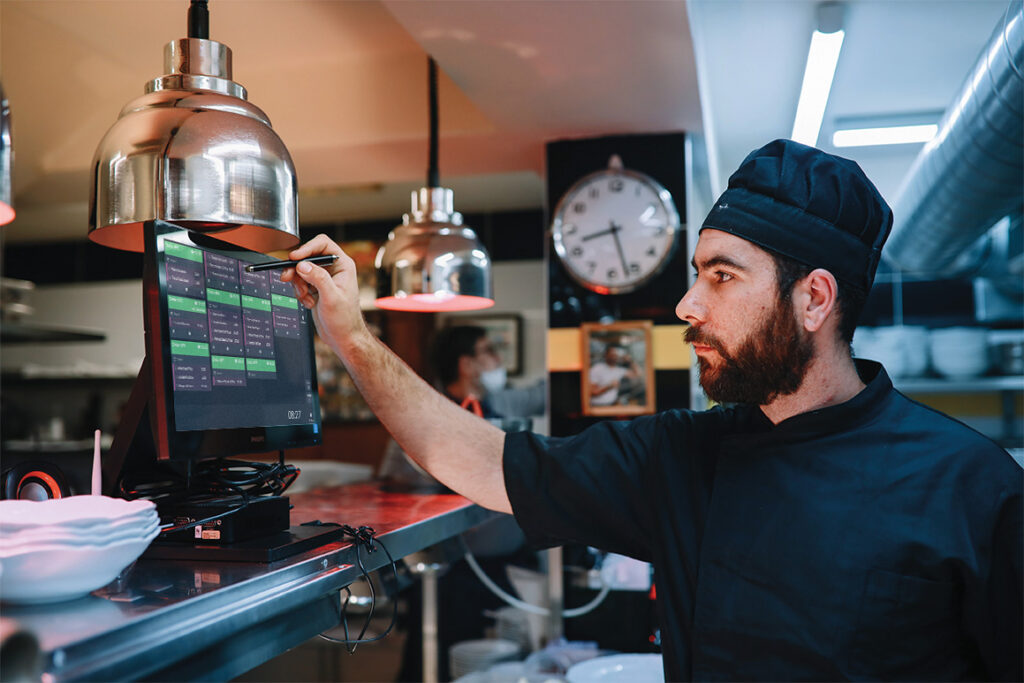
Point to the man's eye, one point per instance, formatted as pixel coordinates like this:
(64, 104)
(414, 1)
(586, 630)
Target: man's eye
(723, 276)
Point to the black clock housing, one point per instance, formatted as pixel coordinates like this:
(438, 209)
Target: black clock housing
(660, 156)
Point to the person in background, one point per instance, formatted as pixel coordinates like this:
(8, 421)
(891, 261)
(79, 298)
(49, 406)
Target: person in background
(467, 369)
(467, 365)
(608, 375)
(818, 525)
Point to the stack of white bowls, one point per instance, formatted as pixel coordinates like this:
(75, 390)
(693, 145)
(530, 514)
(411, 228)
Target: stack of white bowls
(479, 655)
(61, 549)
(901, 349)
(960, 352)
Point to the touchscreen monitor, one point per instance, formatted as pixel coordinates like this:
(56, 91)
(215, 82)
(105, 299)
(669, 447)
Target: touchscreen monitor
(234, 370)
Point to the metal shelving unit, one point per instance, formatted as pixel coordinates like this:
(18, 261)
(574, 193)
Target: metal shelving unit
(1008, 388)
(936, 385)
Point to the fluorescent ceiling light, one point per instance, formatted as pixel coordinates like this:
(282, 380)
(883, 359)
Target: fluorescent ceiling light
(890, 135)
(821, 68)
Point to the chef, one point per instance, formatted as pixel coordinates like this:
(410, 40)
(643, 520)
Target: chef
(822, 526)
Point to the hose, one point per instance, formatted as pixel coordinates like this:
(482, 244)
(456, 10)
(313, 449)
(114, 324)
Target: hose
(525, 606)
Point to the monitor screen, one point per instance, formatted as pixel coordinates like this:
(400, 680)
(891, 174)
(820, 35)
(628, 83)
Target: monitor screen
(235, 372)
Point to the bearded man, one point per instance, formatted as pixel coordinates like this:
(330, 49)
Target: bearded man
(824, 527)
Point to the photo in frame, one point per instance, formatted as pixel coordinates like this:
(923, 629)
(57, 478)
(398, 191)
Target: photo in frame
(504, 331)
(617, 369)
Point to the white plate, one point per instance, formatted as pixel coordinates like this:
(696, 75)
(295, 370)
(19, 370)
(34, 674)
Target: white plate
(79, 511)
(29, 538)
(136, 522)
(628, 668)
(52, 573)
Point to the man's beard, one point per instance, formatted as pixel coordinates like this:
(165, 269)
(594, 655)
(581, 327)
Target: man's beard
(771, 362)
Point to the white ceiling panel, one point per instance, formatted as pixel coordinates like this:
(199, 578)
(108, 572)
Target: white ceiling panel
(899, 58)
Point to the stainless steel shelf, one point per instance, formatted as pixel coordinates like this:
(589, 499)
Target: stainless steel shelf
(962, 386)
(13, 332)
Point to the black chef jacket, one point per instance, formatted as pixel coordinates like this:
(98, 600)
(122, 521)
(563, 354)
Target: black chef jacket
(875, 539)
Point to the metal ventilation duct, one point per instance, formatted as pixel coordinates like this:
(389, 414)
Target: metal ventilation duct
(972, 173)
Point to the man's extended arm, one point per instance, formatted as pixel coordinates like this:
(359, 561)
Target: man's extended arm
(459, 449)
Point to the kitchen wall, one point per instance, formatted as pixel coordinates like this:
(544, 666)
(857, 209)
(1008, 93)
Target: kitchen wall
(114, 308)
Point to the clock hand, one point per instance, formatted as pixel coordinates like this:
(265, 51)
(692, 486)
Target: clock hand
(600, 233)
(618, 245)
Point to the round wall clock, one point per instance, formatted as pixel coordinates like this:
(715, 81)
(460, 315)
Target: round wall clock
(615, 229)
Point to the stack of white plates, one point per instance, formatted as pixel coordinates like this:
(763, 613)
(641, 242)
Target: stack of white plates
(478, 655)
(61, 549)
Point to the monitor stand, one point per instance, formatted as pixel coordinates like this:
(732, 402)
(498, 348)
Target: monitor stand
(136, 449)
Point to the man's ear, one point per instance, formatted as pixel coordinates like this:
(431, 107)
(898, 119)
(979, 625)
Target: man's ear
(817, 300)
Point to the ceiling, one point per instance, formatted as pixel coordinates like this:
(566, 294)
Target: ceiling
(344, 84)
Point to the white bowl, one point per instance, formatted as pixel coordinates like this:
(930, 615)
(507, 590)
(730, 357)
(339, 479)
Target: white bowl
(881, 345)
(628, 668)
(959, 335)
(74, 537)
(901, 349)
(138, 521)
(960, 352)
(960, 367)
(80, 511)
(51, 573)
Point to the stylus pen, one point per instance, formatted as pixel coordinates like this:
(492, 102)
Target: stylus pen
(325, 260)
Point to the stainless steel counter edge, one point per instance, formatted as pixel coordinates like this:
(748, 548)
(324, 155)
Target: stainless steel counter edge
(153, 641)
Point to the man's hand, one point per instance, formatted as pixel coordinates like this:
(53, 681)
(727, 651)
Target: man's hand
(459, 449)
(331, 293)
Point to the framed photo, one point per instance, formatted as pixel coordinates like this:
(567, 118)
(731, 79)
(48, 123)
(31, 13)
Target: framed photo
(504, 331)
(618, 368)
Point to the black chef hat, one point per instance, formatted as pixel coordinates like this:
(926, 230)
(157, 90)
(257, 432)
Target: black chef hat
(816, 208)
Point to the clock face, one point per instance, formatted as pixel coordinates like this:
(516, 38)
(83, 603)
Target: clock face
(614, 230)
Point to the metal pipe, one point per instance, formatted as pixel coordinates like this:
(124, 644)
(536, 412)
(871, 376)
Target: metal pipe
(556, 595)
(431, 656)
(970, 175)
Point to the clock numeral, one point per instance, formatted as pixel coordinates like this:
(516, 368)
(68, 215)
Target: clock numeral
(651, 251)
(595, 192)
(612, 273)
(591, 266)
(660, 230)
(579, 207)
(577, 251)
(569, 229)
(634, 267)
(616, 185)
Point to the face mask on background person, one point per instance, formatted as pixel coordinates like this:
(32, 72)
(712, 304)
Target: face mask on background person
(493, 380)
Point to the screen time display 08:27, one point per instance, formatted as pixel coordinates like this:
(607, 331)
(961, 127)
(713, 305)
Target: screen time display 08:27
(240, 351)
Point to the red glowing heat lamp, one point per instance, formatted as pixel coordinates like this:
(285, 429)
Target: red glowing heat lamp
(6, 213)
(433, 303)
(432, 262)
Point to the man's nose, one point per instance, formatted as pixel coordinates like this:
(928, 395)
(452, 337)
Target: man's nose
(690, 309)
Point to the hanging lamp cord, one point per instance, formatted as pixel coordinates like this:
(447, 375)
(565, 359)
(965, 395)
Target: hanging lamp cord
(199, 20)
(433, 175)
